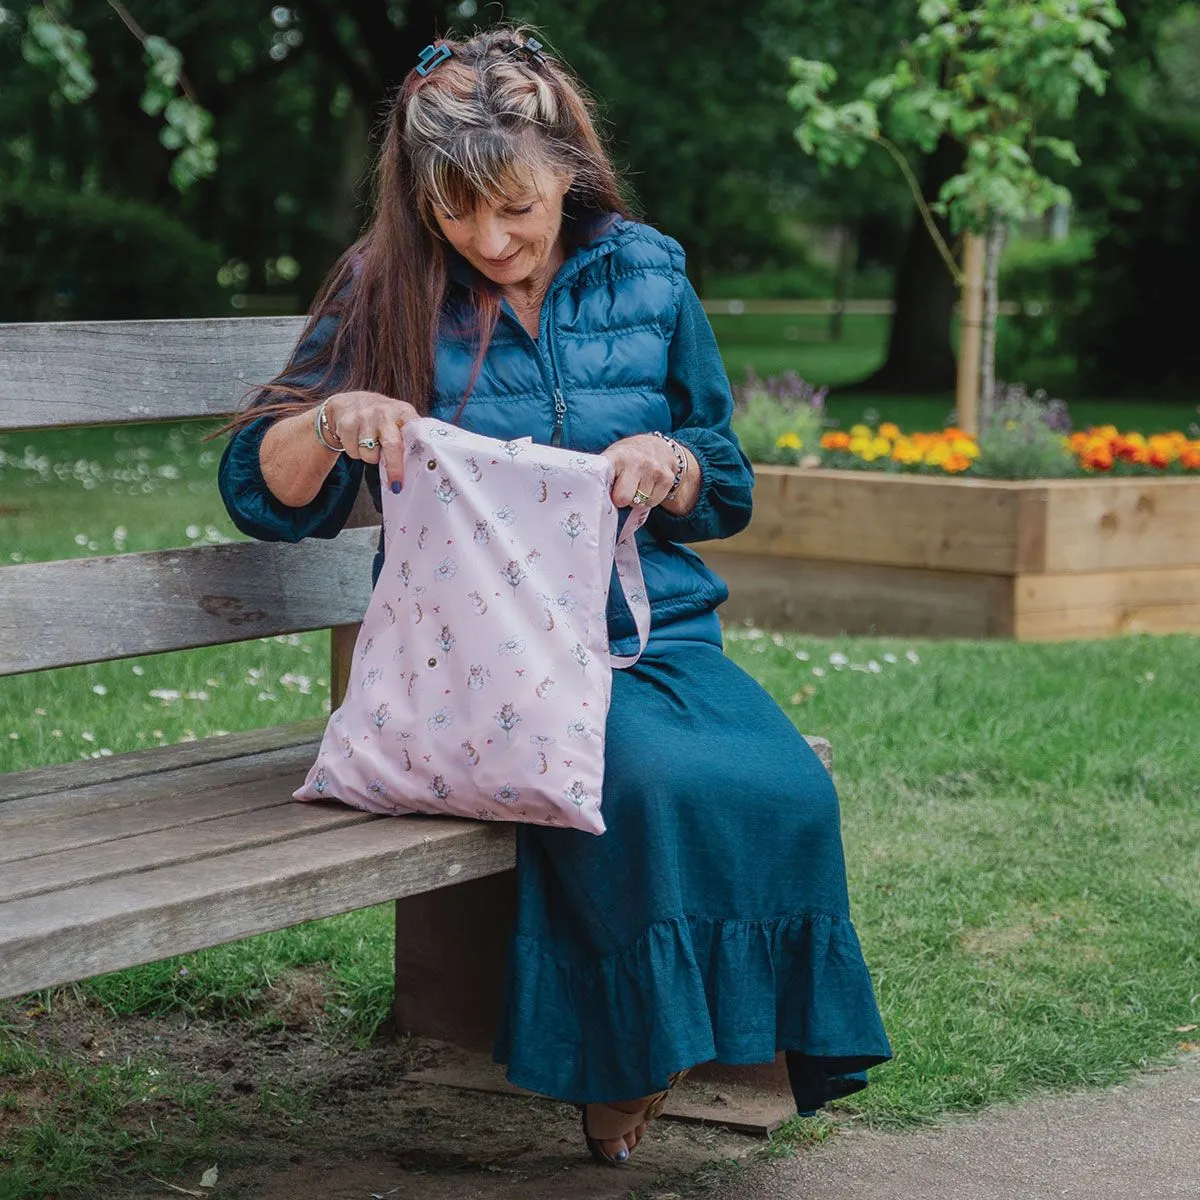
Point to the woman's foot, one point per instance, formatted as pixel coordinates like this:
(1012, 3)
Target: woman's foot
(613, 1130)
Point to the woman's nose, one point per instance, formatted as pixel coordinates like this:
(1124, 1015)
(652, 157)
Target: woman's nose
(491, 241)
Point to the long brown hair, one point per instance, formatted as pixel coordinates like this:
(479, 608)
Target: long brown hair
(472, 129)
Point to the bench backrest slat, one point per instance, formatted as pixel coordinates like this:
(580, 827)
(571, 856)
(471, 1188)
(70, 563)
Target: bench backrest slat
(61, 374)
(85, 610)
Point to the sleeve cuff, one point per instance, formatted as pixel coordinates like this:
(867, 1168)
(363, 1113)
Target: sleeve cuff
(689, 526)
(255, 510)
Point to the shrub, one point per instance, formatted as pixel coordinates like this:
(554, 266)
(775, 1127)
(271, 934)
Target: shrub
(83, 257)
(779, 419)
(1024, 437)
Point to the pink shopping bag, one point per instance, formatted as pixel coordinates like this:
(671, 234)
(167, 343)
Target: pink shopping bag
(482, 675)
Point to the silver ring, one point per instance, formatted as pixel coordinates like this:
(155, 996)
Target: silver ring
(640, 497)
(368, 443)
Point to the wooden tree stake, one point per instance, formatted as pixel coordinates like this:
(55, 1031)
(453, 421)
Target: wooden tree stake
(969, 342)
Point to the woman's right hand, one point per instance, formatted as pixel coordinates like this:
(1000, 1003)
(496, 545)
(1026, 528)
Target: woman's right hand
(356, 417)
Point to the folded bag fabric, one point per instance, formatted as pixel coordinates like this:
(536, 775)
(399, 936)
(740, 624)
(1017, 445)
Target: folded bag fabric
(482, 676)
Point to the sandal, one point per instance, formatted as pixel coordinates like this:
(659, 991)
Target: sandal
(611, 1124)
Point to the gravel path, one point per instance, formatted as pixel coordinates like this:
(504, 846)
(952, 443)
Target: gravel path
(1140, 1141)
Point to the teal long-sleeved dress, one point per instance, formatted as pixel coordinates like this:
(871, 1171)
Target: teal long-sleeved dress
(712, 920)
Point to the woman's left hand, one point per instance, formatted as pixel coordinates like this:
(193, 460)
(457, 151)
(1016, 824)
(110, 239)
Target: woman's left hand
(644, 464)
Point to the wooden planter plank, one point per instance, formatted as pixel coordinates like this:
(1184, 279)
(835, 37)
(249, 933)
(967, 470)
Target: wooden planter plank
(1103, 604)
(1122, 525)
(829, 598)
(905, 521)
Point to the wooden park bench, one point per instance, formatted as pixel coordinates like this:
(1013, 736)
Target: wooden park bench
(113, 862)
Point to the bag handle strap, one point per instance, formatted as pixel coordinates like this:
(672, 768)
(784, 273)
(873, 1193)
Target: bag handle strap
(633, 585)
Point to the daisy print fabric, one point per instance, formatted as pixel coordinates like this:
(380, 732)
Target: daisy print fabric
(481, 677)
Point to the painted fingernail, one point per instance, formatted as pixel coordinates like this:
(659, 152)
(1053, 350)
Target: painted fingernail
(621, 1155)
(396, 485)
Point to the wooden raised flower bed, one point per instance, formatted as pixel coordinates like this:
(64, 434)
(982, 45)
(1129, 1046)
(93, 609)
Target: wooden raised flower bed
(862, 552)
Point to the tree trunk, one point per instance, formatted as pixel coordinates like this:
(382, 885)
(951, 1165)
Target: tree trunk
(997, 234)
(920, 357)
(847, 255)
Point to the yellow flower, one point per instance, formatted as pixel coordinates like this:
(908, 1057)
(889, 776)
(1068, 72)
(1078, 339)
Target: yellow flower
(789, 441)
(860, 431)
(965, 447)
(881, 445)
(860, 444)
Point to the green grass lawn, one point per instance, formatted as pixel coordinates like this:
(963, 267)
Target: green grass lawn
(1020, 820)
(1022, 843)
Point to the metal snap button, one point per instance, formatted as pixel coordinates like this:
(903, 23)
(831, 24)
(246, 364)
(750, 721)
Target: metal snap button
(431, 662)
(431, 465)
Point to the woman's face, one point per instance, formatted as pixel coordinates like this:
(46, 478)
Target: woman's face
(513, 240)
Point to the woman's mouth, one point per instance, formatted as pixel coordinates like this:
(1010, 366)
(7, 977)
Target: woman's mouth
(501, 262)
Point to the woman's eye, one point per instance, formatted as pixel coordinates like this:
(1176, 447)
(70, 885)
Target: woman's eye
(520, 212)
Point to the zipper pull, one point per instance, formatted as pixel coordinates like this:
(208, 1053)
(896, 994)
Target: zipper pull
(560, 411)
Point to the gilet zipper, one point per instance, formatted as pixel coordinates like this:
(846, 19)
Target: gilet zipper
(560, 403)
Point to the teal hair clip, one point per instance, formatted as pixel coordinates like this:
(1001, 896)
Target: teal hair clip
(432, 56)
(533, 48)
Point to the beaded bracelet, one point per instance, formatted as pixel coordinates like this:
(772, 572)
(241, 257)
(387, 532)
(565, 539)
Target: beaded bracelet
(680, 462)
(320, 425)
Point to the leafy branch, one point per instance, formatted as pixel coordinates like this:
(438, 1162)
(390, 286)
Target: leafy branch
(52, 44)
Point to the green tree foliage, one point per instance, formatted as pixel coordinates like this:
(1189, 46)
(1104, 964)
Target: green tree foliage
(693, 96)
(983, 77)
(289, 131)
(988, 75)
(693, 99)
(52, 43)
(1129, 324)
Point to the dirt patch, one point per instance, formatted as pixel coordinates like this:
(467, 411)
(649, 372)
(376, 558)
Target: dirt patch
(293, 1112)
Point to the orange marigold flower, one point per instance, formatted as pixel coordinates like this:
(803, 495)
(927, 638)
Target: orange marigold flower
(835, 441)
(956, 463)
(889, 430)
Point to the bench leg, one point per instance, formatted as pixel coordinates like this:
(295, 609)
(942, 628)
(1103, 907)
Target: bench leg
(451, 955)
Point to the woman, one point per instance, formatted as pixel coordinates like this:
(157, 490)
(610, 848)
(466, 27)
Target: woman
(502, 283)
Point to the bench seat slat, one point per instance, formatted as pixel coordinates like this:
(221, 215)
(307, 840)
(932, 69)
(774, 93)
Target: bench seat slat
(197, 803)
(18, 815)
(164, 847)
(71, 934)
(44, 782)
(87, 610)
